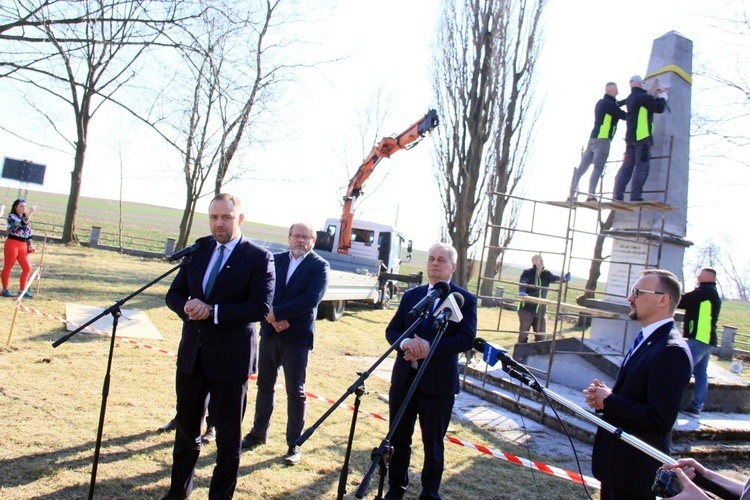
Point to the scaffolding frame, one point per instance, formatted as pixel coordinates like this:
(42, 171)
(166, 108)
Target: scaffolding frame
(653, 241)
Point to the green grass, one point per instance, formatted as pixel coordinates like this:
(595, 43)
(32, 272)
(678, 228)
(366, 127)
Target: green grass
(145, 227)
(50, 400)
(148, 227)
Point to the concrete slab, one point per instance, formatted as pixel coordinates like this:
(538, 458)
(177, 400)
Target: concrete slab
(132, 323)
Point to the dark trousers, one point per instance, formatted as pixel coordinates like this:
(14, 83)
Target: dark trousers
(597, 153)
(272, 355)
(434, 414)
(609, 493)
(226, 406)
(636, 165)
(528, 320)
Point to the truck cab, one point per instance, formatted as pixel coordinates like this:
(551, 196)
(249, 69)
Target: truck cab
(369, 271)
(369, 240)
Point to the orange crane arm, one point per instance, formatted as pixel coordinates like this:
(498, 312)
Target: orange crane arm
(384, 149)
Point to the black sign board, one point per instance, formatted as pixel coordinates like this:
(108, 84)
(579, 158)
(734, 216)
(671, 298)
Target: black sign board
(23, 171)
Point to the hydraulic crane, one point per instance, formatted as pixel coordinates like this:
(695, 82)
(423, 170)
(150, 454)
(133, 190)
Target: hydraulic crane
(384, 149)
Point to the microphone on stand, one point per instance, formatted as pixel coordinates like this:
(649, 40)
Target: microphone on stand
(450, 309)
(199, 243)
(494, 353)
(491, 353)
(439, 290)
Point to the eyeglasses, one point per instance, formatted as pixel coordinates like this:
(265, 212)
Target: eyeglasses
(302, 237)
(637, 291)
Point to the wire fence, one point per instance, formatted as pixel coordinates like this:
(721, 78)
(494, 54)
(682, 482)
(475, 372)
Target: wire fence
(126, 243)
(742, 344)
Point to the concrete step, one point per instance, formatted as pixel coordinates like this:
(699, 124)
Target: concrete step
(716, 435)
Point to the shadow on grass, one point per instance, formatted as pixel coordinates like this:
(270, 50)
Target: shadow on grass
(26, 469)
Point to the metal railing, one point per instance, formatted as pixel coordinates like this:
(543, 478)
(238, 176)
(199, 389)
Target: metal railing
(103, 240)
(733, 342)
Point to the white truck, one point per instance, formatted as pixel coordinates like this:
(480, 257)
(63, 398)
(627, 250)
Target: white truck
(369, 272)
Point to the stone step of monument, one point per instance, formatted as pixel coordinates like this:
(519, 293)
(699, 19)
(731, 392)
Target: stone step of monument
(713, 450)
(712, 434)
(577, 363)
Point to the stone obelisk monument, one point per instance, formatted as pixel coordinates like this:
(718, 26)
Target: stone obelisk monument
(655, 237)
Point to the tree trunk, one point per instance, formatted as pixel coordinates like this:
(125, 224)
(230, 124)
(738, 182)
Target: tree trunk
(76, 176)
(186, 222)
(595, 271)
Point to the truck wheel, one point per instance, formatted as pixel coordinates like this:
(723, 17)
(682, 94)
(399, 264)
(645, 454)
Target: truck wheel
(332, 311)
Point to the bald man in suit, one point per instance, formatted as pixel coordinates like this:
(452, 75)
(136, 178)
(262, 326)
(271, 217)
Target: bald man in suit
(220, 293)
(432, 401)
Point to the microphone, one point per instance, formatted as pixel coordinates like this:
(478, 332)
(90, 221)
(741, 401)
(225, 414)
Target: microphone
(439, 290)
(450, 309)
(199, 243)
(492, 353)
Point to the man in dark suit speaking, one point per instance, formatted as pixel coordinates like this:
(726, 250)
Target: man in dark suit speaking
(433, 399)
(646, 396)
(287, 335)
(225, 288)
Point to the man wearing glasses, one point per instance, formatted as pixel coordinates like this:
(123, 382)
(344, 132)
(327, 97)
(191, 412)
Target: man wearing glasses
(286, 337)
(647, 393)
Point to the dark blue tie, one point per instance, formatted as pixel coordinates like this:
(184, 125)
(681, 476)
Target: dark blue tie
(215, 271)
(636, 342)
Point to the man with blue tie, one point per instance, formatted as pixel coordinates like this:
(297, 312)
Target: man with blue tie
(647, 393)
(433, 399)
(220, 294)
(287, 335)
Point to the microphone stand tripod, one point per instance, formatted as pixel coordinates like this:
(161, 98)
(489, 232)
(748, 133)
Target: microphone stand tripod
(382, 454)
(115, 311)
(519, 372)
(357, 388)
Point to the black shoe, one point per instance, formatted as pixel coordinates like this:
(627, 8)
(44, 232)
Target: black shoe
(592, 199)
(293, 456)
(621, 200)
(391, 495)
(169, 426)
(250, 442)
(635, 200)
(691, 411)
(210, 435)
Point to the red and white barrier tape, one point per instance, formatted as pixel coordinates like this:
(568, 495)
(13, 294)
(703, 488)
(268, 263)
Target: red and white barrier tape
(547, 469)
(541, 467)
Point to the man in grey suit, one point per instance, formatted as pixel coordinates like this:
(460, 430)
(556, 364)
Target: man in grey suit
(220, 293)
(287, 335)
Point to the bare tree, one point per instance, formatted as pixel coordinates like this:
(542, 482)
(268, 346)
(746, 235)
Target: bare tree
(483, 81)
(729, 272)
(17, 16)
(595, 270)
(723, 119)
(81, 53)
(511, 138)
(231, 63)
(369, 129)
(221, 104)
